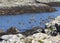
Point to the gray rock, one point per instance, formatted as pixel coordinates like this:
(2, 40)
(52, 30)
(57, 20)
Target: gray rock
(54, 4)
(13, 30)
(54, 33)
(57, 28)
(33, 31)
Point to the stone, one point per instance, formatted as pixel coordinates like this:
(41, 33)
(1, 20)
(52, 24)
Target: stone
(57, 28)
(35, 38)
(53, 22)
(13, 30)
(54, 33)
(33, 31)
(17, 38)
(53, 4)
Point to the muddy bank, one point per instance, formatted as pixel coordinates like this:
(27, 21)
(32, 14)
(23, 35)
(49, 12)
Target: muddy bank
(26, 9)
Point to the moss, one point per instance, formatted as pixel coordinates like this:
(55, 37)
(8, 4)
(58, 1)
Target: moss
(40, 41)
(29, 41)
(14, 41)
(22, 38)
(51, 29)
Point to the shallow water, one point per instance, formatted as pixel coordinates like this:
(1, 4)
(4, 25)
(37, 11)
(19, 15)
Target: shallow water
(27, 21)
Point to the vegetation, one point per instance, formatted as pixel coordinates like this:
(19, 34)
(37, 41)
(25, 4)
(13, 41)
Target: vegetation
(22, 38)
(40, 41)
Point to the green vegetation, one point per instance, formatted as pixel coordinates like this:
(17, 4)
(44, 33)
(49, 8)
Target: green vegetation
(51, 29)
(22, 38)
(40, 41)
(29, 41)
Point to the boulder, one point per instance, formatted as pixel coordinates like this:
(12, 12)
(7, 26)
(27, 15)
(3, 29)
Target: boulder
(54, 33)
(55, 25)
(42, 38)
(17, 38)
(53, 3)
(33, 31)
(12, 30)
(57, 28)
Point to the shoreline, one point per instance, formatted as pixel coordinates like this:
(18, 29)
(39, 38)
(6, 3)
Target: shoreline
(34, 8)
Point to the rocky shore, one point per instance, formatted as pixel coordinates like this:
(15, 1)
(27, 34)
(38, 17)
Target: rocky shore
(19, 7)
(35, 38)
(50, 34)
(35, 35)
(53, 22)
(26, 9)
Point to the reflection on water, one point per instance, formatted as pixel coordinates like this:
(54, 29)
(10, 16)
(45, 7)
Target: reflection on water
(27, 21)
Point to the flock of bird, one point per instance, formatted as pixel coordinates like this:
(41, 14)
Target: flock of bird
(33, 20)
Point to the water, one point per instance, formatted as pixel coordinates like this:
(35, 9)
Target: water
(27, 21)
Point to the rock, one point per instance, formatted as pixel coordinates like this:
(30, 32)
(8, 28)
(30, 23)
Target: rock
(13, 30)
(35, 38)
(46, 1)
(17, 38)
(39, 29)
(57, 28)
(33, 31)
(41, 38)
(53, 4)
(2, 32)
(53, 22)
(54, 33)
